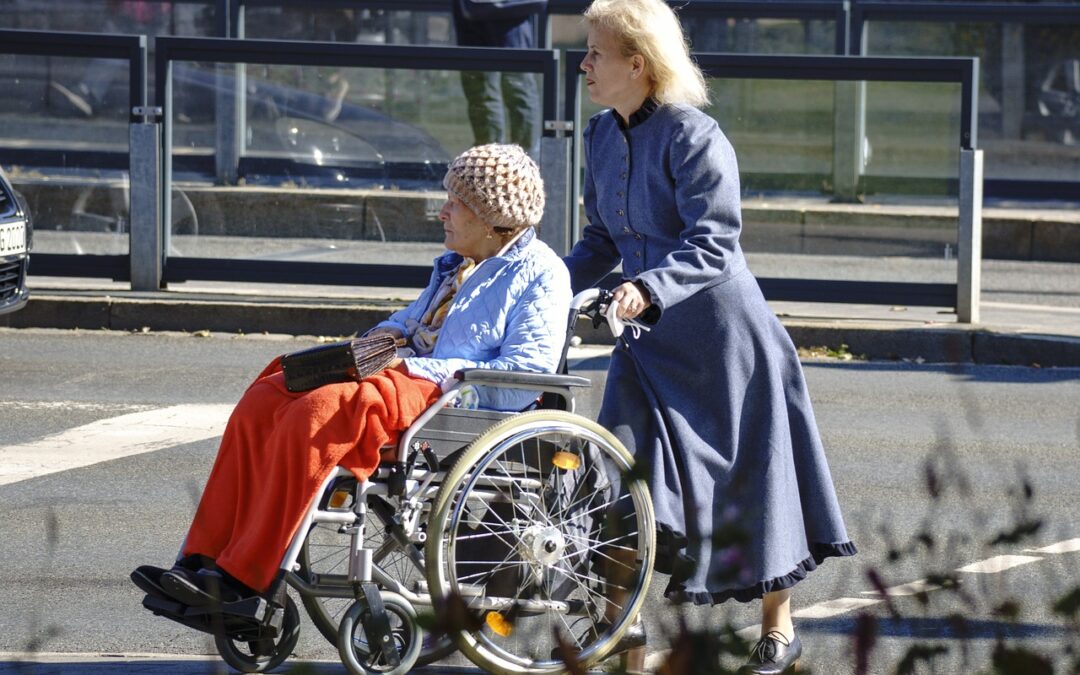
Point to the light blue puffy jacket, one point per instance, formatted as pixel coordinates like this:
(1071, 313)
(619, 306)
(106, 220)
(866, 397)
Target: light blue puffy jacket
(510, 314)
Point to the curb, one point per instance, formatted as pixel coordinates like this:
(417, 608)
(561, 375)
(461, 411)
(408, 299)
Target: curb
(161, 312)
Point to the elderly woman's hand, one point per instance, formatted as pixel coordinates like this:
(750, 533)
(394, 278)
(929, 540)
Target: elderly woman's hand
(632, 298)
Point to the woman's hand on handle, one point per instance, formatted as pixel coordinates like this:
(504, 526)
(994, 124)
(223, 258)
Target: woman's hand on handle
(632, 298)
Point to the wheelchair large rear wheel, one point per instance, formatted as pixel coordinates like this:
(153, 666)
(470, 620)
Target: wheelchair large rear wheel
(326, 552)
(545, 536)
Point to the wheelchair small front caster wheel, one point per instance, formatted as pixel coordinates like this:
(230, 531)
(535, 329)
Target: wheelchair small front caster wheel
(405, 635)
(250, 652)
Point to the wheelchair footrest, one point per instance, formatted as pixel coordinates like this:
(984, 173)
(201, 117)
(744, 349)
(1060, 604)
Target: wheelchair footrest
(250, 618)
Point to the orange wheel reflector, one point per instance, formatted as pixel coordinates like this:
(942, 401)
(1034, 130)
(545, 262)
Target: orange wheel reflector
(498, 623)
(567, 461)
(338, 499)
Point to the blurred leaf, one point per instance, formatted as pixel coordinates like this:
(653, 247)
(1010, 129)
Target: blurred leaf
(1008, 610)
(880, 586)
(1068, 604)
(1015, 535)
(1020, 661)
(917, 654)
(865, 639)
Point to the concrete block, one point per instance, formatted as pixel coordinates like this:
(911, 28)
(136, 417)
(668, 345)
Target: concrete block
(933, 346)
(1006, 238)
(1055, 241)
(1026, 350)
(45, 311)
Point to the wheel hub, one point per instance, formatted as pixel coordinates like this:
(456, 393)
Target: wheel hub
(542, 545)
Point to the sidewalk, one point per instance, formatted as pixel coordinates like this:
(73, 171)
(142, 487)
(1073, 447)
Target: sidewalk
(1020, 333)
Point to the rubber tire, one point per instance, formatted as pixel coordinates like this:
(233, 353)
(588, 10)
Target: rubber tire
(394, 604)
(325, 623)
(283, 647)
(435, 550)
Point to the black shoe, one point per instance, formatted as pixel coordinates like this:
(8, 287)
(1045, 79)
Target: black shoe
(148, 577)
(773, 655)
(202, 588)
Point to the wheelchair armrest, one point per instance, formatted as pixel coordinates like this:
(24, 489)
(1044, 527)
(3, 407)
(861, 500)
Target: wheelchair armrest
(516, 379)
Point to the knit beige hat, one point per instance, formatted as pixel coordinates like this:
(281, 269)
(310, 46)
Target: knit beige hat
(500, 183)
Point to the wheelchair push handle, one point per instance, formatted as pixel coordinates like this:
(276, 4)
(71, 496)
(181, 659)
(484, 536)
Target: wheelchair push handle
(596, 304)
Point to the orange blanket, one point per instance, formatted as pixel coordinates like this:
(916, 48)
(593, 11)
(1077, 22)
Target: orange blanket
(278, 448)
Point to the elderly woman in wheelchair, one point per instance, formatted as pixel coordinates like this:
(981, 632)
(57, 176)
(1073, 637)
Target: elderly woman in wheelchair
(424, 485)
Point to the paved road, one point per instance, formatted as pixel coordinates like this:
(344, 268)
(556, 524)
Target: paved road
(71, 536)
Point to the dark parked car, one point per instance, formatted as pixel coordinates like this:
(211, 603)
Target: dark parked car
(16, 236)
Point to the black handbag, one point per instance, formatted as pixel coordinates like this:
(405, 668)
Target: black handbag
(349, 360)
(497, 10)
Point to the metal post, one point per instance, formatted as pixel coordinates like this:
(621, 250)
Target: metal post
(555, 169)
(969, 242)
(145, 238)
(229, 106)
(849, 139)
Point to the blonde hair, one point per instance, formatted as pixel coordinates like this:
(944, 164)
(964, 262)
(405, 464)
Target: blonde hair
(651, 29)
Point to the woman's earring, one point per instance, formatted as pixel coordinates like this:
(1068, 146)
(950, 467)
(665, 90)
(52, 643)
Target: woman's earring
(490, 234)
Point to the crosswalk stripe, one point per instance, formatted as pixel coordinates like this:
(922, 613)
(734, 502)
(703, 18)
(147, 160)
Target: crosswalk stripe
(1067, 546)
(998, 563)
(112, 438)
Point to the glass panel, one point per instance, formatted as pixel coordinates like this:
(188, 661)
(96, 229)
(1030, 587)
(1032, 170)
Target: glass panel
(722, 34)
(1029, 93)
(783, 135)
(154, 17)
(61, 121)
(325, 172)
(368, 26)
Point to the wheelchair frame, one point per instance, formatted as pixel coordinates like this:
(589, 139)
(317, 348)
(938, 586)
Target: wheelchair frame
(381, 601)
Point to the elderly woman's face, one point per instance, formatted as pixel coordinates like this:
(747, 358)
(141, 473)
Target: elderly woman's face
(612, 79)
(465, 233)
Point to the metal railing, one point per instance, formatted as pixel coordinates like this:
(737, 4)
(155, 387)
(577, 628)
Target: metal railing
(396, 57)
(130, 48)
(963, 295)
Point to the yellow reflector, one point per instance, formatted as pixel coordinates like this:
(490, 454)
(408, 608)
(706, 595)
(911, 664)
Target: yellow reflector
(498, 623)
(338, 499)
(567, 461)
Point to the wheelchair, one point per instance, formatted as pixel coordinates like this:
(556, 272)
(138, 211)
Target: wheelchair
(524, 540)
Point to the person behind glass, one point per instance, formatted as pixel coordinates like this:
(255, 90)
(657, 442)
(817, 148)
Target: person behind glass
(711, 401)
(502, 107)
(498, 299)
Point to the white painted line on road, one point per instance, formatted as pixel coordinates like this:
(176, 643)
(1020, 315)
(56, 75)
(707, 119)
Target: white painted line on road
(998, 563)
(911, 588)
(582, 352)
(1067, 546)
(824, 610)
(112, 438)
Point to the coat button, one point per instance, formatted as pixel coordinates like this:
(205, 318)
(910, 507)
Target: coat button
(626, 230)
(637, 254)
(620, 212)
(622, 175)
(637, 236)
(618, 194)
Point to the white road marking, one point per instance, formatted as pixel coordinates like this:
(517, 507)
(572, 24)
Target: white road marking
(830, 608)
(112, 438)
(1067, 546)
(910, 588)
(582, 352)
(998, 563)
(823, 610)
